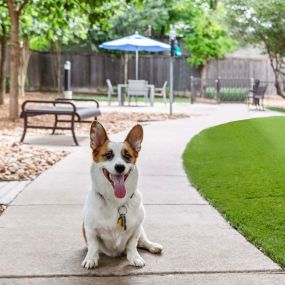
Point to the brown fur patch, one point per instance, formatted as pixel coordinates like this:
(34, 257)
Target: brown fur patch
(84, 233)
(100, 151)
(134, 154)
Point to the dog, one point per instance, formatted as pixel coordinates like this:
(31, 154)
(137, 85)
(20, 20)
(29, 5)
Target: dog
(113, 211)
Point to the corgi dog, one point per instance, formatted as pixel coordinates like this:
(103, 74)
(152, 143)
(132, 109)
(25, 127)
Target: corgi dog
(113, 211)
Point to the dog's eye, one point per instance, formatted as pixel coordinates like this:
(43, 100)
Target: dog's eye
(127, 157)
(108, 155)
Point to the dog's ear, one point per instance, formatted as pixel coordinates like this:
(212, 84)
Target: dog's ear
(98, 135)
(135, 137)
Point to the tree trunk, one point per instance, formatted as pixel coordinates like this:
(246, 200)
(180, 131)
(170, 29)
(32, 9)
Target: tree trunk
(213, 4)
(276, 65)
(24, 62)
(58, 56)
(204, 71)
(204, 75)
(3, 64)
(55, 48)
(14, 61)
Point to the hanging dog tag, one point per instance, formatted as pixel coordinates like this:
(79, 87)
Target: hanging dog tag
(120, 222)
(122, 218)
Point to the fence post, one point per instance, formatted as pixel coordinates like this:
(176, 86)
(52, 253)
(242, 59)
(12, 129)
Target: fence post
(218, 89)
(251, 83)
(192, 90)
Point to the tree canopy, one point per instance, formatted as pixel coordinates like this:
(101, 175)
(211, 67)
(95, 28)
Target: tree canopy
(201, 26)
(262, 23)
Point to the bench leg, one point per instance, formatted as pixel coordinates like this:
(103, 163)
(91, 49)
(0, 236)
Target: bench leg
(25, 128)
(55, 124)
(72, 130)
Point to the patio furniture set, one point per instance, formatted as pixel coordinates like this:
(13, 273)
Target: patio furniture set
(68, 111)
(136, 88)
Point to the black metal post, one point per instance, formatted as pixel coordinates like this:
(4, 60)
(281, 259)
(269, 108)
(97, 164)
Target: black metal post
(67, 80)
(172, 36)
(218, 88)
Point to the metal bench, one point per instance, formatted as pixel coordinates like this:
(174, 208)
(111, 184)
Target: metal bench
(59, 107)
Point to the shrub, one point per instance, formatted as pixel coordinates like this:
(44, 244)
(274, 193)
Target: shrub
(210, 93)
(228, 94)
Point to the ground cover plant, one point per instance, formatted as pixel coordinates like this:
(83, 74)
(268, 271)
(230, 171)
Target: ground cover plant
(239, 168)
(228, 94)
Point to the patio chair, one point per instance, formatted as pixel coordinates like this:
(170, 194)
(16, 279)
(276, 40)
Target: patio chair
(258, 97)
(137, 88)
(110, 91)
(249, 97)
(161, 92)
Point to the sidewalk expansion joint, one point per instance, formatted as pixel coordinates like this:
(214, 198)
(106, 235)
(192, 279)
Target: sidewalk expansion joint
(163, 175)
(160, 273)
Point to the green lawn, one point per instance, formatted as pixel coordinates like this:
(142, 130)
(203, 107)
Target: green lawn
(277, 109)
(240, 168)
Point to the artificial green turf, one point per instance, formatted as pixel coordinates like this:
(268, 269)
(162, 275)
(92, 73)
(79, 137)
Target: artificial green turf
(277, 109)
(240, 168)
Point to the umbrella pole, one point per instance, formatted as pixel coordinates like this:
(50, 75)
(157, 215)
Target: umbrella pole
(137, 64)
(126, 68)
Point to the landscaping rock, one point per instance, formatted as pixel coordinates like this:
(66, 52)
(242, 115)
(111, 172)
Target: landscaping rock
(24, 162)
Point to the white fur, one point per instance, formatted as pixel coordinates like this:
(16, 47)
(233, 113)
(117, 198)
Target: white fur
(101, 215)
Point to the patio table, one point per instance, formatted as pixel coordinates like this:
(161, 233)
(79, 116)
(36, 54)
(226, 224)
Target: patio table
(121, 98)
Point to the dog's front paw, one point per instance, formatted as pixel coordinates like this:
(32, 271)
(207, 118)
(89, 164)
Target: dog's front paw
(155, 248)
(90, 263)
(136, 260)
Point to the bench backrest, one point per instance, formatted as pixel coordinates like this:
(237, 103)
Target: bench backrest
(261, 90)
(137, 87)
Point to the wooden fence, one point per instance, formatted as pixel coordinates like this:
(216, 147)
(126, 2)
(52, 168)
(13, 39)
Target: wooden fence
(90, 70)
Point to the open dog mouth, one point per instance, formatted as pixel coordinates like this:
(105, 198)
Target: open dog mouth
(118, 182)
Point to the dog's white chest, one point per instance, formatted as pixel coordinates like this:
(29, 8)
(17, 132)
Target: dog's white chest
(113, 241)
(113, 236)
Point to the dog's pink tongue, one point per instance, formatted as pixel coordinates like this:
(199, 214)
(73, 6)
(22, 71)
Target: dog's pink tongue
(119, 185)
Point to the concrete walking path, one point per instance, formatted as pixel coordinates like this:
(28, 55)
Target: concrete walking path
(40, 233)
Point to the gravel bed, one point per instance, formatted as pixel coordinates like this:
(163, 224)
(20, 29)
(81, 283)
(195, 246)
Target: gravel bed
(25, 162)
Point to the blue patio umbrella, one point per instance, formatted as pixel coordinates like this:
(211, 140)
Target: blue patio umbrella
(136, 43)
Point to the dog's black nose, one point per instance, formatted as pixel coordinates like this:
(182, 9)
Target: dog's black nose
(120, 168)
